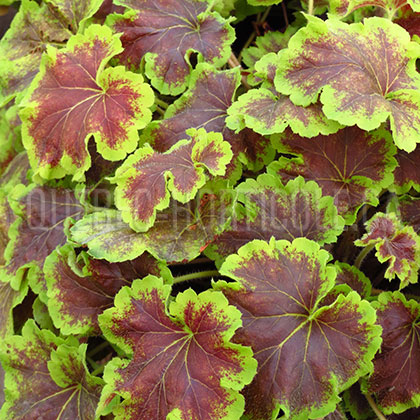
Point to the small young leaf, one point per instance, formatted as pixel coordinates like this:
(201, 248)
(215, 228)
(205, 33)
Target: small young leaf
(46, 377)
(307, 352)
(362, 73)
(352, 165)
(165, 33)
(73, 98)
(147, 179)
(79, 291)
(395, 244)
(270, 42)
(183, 364)
(395, 380)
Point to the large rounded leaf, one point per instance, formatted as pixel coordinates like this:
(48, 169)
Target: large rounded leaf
(74, 97)
(364, 74)
(183, 365)
(307, 352)
(165, 33)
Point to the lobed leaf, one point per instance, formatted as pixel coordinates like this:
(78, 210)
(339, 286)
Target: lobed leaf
(74, 90)
(266, 111)
(409, 210)
(38, 229)
(180, 233)
(407, 173)
(183, 364)
(147, 179)
(362, 74)
(166, 33)
(353, 166)
(395, 244)
(81, 289)
(34, 28)
(395, 380)
(46, 377)
(269, 209)
(308, 352)
(205, 103)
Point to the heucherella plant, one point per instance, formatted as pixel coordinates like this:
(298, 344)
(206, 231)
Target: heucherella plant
(209, 210)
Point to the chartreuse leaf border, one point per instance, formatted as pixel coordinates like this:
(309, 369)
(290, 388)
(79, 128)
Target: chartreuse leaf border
(104, 77)
(176, 308)
(291, 59)
(303, 246)
(200, 140)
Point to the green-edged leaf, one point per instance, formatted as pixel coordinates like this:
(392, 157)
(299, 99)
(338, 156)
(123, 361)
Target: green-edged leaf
(352, 165)
(364, 74)
(266, 111)
(74, 90)
(407, 173)
(183, 364)
(263, 2)
(349, 275)
(307, 352)
(270, 42)
(74, 13)
(9, 141)
(205, 103)
(147, 179)
(46, 378)
(180, 233)
(396, 380)
(37, 231)
(349, 278)
(344, 7)
(285, 212)
(80, 290)
(9, 298)
(165, 33)
(395, 244)
(32, 30)
(409, 209)
(357, 404)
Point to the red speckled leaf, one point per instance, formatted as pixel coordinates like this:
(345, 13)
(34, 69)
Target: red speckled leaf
(352, 165)
(38, 229)
(165, 33)
(147, 179)
(307, 352)
(210, 93)
(79, 290)
(396, 378)
(362, 74)
(182, 365)
(73, 90)
(407, 173)
(395, 244)
(46, 378)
